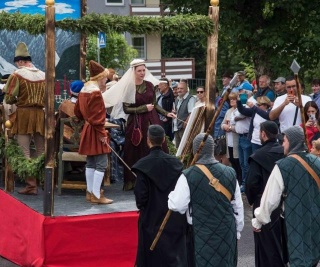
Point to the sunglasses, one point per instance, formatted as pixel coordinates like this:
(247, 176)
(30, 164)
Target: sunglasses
(200, 92)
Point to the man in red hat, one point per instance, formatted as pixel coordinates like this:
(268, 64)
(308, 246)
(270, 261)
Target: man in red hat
(94, 141)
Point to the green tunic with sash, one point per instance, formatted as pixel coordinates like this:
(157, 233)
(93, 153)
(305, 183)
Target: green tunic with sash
(302, 210)
(214, 227)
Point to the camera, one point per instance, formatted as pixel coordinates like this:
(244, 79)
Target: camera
(312, 117)
(291, 92)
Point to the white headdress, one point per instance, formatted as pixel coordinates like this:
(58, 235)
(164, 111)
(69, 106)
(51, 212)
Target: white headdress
(124, 91)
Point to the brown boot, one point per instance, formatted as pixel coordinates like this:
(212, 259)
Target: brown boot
(31, 187)
(88, 196)
(101, 200)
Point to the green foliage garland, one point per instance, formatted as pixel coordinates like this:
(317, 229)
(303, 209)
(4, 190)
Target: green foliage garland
(179, 25)
(171, 147)
(21, 165)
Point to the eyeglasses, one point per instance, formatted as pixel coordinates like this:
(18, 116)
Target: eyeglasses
(200, 92)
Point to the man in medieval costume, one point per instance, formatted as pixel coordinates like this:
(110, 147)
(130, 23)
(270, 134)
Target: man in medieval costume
(210, 195)
(268, 250)
(157, 175)
(26, 89)
(294, 181)
(95, 140)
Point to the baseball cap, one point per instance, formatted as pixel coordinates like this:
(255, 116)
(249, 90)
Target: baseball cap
(174, 84)
(280, 80)
(241, 72)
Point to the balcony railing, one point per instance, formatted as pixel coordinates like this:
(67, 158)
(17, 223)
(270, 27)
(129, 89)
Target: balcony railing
(173, 68)
(149, 10)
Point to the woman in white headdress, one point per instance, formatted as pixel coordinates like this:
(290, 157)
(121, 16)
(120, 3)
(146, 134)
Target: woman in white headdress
(136, 90)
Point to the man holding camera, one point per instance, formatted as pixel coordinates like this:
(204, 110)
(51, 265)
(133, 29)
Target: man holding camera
(286, 107)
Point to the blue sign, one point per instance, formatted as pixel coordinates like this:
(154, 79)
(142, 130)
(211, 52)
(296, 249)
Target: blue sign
(102, 40)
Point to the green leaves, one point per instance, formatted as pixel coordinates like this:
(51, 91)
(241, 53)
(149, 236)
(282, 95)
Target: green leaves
(179, 25)
(116, 55)
(267, 34)
(21, 165)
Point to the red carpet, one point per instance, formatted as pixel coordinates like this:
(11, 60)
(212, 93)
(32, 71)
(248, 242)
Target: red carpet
(28, 238)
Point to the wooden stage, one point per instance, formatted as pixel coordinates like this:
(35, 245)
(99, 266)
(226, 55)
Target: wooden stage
(72, 202)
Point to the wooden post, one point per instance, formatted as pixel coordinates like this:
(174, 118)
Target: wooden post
(49, 110)
(211, 68)
(8, 173)
(83, 44)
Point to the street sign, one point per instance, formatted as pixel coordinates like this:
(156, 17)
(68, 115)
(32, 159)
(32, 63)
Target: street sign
(102, 40)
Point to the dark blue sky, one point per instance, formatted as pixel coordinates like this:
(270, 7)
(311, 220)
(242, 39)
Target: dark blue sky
(63, 8)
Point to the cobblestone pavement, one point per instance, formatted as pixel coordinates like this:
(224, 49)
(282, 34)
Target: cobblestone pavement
(72, 203)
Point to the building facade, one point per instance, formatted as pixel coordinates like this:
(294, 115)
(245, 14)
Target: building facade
(148, 46)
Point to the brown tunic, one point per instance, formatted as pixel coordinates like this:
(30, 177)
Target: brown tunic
(28, 95)
(90, 107)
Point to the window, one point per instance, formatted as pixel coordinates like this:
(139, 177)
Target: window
(139, 43)
(138, 2)
(114, 2)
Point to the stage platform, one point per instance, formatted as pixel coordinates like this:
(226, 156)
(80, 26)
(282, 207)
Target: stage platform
(79, 233)
(73, 202)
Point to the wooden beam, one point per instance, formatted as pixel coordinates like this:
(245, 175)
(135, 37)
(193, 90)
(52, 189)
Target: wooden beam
(211, 67)
(49, 110)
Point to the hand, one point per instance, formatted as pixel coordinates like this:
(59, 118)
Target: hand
(256, 230)
(296, 101)
(238, 118)
(250, 104)
(226, 127)
(289, 99)
(171, 115)
(104, 140)
(310, 123)
(150, 107)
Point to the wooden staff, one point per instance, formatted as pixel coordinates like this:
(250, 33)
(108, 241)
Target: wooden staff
(224, 99)
(163, 224)
(295, 68)
(124, 163)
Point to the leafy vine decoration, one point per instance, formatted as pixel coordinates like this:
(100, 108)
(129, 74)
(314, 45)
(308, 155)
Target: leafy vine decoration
(22, 166)
(178, 25)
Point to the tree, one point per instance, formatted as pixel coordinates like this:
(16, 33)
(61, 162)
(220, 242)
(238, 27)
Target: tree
(117, 54)
(267, 33)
